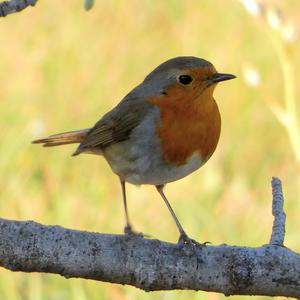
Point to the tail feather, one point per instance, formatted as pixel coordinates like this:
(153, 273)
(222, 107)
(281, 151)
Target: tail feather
(70, 137)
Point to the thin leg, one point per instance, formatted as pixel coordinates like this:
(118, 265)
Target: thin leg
(181, 231)
(127, 228)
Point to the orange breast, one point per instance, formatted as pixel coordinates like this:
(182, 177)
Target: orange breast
(189, 124)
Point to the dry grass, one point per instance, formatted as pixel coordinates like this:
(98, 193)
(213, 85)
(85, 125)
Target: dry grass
(61, 68)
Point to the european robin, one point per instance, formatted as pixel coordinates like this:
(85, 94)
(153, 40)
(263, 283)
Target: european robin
(164, 129)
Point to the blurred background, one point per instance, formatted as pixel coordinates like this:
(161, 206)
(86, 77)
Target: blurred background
(62, 68)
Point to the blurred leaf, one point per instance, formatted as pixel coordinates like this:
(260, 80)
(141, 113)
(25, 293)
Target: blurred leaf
(88, 4)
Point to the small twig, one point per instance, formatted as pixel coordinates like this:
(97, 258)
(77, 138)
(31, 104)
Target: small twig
(12, 6)
(278, 230)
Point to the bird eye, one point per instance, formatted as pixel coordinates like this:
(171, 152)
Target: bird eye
(185, 79)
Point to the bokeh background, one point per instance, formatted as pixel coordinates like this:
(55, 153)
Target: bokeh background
(62, 68)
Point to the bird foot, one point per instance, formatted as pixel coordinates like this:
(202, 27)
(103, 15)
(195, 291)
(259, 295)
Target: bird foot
(129, 231)
(185, 240)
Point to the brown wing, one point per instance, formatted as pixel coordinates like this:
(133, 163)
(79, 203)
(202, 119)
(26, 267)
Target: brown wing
(115, 126)
(64, 138)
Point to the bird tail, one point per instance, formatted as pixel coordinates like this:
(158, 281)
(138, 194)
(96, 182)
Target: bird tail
(70, 137)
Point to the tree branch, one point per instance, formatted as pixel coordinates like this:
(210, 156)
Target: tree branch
(12, 6)
(151, 264)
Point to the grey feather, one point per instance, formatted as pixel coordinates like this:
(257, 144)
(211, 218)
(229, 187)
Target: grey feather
(117, 125)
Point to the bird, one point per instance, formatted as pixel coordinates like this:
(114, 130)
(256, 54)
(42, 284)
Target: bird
(164, 129)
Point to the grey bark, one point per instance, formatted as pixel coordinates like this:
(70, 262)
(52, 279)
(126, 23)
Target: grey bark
(278, 230)
(147, 263)
(151, 264)
(12, 6)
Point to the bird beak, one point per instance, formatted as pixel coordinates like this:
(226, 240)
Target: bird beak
(217, 77)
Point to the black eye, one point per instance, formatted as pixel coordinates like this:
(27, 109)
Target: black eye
(185, 79)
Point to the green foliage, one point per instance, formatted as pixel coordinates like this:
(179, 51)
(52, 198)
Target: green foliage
(61, 69)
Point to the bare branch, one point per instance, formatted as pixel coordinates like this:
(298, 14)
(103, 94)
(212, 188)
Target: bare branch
(270, 270)
(149, 264)
(278, 230)
(12, 6)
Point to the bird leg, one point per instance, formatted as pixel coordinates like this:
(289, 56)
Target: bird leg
(128, 228)
(183, 238)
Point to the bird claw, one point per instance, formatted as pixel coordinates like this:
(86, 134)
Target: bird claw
(129, 231)
(185, 240)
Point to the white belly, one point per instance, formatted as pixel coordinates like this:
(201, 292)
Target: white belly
(139, 160)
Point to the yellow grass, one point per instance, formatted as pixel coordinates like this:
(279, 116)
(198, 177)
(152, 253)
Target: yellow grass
(62, 68)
